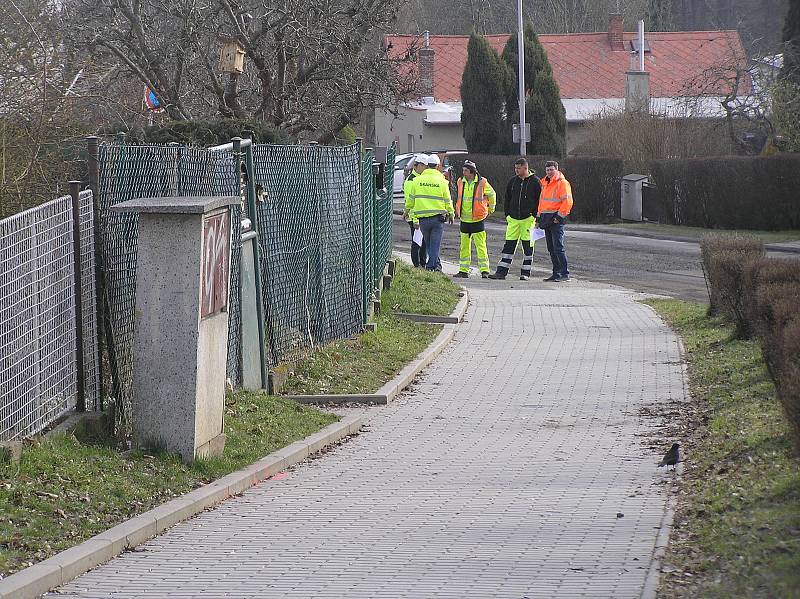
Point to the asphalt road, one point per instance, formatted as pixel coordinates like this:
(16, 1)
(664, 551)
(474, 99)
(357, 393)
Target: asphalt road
(647, 265)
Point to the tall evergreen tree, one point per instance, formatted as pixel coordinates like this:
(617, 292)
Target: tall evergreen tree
(791, 44)
(535, 62)
(543, 108)
(483, 86)
(658, 16)
(547, 117)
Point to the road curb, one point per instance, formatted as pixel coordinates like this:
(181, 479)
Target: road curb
(455, 317)
(391, 389)
(71, 563)
(653, 578)
(394, 387)
(402, 379)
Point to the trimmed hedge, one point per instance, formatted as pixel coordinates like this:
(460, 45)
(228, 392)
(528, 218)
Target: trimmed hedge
(762, 274)
(760, 295)
(730, 192)
(724, 262)
(595, 181)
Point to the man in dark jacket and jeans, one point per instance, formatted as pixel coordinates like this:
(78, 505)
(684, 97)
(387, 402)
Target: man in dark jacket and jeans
(522, 198)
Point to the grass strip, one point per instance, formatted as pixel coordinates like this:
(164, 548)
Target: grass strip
(63, 491)
(420, 291)
(737, 524)
(363, 364)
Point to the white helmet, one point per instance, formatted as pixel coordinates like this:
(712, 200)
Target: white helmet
(421, 159)
(433, 160)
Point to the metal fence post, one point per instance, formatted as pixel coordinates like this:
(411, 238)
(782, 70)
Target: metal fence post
(100, 280)
(116, 383)
(364, 295)
(253, 214)
(75, 192)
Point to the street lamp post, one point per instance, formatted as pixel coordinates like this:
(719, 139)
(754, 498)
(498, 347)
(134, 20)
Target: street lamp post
(521, 86)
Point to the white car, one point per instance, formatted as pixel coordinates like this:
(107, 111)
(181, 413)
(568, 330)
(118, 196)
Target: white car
(402, 166)
(401, 161)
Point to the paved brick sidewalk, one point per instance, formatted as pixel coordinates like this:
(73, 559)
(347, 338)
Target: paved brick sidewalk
(499, 474)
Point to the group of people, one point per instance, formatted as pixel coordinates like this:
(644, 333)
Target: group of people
(530, 203)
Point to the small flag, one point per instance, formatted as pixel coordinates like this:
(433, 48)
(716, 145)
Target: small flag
(151, 101)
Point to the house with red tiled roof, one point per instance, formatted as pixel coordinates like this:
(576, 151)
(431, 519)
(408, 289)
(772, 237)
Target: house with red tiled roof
(590, 69)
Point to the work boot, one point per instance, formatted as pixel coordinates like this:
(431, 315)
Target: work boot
(551, 279)
(497, 277)
(484, 275)
(461, 275)
(523, 277)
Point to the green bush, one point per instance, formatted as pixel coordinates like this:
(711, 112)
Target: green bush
(595, 181)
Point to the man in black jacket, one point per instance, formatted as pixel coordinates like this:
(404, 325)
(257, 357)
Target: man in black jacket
(522, 199)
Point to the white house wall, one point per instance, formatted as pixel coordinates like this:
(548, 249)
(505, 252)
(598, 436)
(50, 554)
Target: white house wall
(413, 134)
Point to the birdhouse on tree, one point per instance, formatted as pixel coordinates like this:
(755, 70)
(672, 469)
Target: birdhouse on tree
(231, 56)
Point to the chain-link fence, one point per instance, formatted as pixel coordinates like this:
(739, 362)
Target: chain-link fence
(310, 241)
(38, 331)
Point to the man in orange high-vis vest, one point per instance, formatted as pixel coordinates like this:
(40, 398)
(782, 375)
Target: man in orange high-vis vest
(555, 204)
(475, 200)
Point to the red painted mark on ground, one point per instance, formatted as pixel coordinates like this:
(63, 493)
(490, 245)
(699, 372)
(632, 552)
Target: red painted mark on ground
(279, 476)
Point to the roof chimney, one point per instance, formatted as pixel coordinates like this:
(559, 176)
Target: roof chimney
(615, 31)
(426, 58)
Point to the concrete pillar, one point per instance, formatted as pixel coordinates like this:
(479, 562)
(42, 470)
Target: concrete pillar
(181, 323)
(637, 92)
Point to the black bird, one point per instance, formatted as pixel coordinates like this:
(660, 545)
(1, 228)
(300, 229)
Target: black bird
(672, 457)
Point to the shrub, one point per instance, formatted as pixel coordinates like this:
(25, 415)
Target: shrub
(730, 192)
(761, 272)
(640, 139)
(595, 181)
(788, 386)
(778, 326)
(776, 307)
(724, 262)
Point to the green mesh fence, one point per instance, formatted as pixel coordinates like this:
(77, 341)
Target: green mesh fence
(382, 219)
(323, 233)
(127, 172)
(310, 241)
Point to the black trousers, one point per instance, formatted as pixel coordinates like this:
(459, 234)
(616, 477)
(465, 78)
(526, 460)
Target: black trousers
(507, 256)
(419, 255)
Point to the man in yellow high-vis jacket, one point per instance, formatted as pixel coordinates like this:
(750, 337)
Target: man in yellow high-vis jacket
(475, 201)
(419, 252)
(430, 208)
